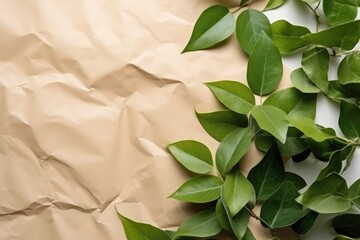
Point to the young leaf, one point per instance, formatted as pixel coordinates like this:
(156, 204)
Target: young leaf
(249, 25)
(272, 4)
(141, 231)
(264, 69)
(338, 13)
(214, 25)
(193, 155)
(349, 71)
(268, 174)
(203, 224)
(354, 193)
(232, 148)
(328, 195)
(287, 37)
(301, 81)
(347, 224)
(349, 120)
(237, 192)
(305, 224)
(272, 120)
(281, 209)
(234, 95)
(344, 36)
(221, 123)
(200, 189)
(222, 216)
(298, 181)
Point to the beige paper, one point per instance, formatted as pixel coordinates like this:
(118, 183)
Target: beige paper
(91, 93)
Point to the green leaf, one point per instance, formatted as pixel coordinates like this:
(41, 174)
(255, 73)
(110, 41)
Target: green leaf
(272, 4)
(281, 209)
(234, 95)
(193, 155)
(350, 2)
(344, 36)
(349, 120)
(232, 148)
(301, 81)
(347, 224)
(338, 13)
(308, 127)
(264, 69)
(222, 216)
(237, 192)
(305, 224)
(214, 25)
(203, 224)
(328, 195)
(315, 63)
(141, 231)
(249, 25)
(294, 144)
(221, 123)
(354, 193)
(334, 166)
(200, 189)
(339, 92)
(287, 37)
(272, 120)
(248, 235)
(349, 71)
(298, 181)
(268, 174)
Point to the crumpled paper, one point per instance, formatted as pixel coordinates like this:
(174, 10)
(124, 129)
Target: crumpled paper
(91, 94)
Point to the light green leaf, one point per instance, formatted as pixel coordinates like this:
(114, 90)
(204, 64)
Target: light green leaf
(268, 174)
(237, 192)
(214, 25)
(329, 195)
(193, 155)
(141, 231)
(349, 70)
(203, 224)
(272, 120)
(221, 123)
(302, 82)
(200, 189)
(232, 148)
(354, 192)
(249, 25)
(287, 37)
(350, 2)
(338, 13)
(272, 4)
(298, 181)
(349, 120)
(305, 224)
(347, 224)
(344, 36)
(281, 209)
(234, 95)
(264, 69)
(222, 216)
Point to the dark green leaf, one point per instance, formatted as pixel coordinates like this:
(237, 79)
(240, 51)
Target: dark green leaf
(248, 235)
(249, 25)
(281, 209)
(203, 224)
(301, 156)
(200, 189)
(350, 2)
(287, 37)
(268, 174)
(354, 193)
(272, 4)
(264, 141)
(234, 95)
(305, 224)
(339, 92)
(349, 71)
(328, 195)
(298, 181)
(232, 148)
(193, 155)
(344, 36)
(222, 216)
(264, 69)
(349, 120)
(214, 25)
(338, 13)
(301, 81)
(141, 231)
(347, 224)
(221, 123)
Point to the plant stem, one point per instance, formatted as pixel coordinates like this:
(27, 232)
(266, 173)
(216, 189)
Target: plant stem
(253, 214)
(317, 17)
(339, 54)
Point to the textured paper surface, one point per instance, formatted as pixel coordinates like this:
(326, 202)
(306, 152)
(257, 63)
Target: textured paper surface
(91, 92)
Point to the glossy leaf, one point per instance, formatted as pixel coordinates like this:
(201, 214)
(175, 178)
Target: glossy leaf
(193, 155)
(272, 4)
(349, 71)
(349, 120)
(350, 2)
(268, 174)
(141, 231)
(232, 148)
(344, 36)
(264, 69)
(234, 95)
(354, 193)
(281, 209)
(272, 120)
(338, 13)
(200, 189)
(222, 216)
(249, 25)
(298, 181)
(301, 81)
(305, 224)
(203, 224)
(328, 195)
(221, 123)
(213, 26)
(347, 224)
(287, 37)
